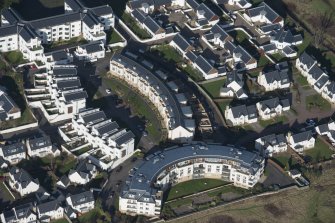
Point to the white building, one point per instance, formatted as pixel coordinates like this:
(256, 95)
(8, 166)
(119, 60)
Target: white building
(59, 57)
(21, 181)
(91, 51)
(82, 202)
(50, 210)
(234, 86)
(301, 141)
(273, 107)
(143, 192)
(41, 147)
(327, 130)
(58, 93)
(181, 45)
(110, 144)
(276, 79)
(8, 108)
(180, 128)
(271, 144)
(77, 21)
(24, 213)
(13, 153)
(84, 173)
(241, 115)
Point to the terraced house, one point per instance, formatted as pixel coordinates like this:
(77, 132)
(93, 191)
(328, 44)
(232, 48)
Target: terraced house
(180, 127)
(78, 20)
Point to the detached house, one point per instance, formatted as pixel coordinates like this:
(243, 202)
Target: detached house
(243, 4)
(304, 63)
(234, 86)
(206, 16)
(276, 79)
(21, 181)
(241, 58)
(301, 141)
(84, 172)
(13, 153)
(82, 202)
(205, 68)
(272, 107)
(241, 115)
(263, 14)
(20, 214)
(270, 144)
(216, 37)
(50, 210)
(41, 147)
(91, 51)
(8, 108)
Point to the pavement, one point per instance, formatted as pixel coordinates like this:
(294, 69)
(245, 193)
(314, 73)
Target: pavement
(276, 176)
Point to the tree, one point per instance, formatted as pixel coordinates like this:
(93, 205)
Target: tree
(326, 22)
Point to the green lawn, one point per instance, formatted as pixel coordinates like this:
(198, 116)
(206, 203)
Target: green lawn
(168, 53)
(263, 61)
(223, 104)
(93, 216)
(302, 80)
(5, 193)
(14, 88)
(282, 119)
(138, 107)
(315, 101)
(192, 187)
(113, 37)
(133, 25)
(82, 151)
(63, 220)
(14, 57)
(320, 152)
(62, 163)
(278, 57)
(213, 88)
(284, 160)
(193, 73)
(226, 189)
(75, 41)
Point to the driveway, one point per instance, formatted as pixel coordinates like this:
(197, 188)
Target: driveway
(276, 176)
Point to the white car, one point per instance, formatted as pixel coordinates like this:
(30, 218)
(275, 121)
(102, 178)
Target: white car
(108, 91)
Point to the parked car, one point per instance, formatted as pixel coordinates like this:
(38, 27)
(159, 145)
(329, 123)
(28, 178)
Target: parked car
(108, 91)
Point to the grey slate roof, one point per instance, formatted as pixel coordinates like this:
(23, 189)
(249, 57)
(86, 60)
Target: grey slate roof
(68, 84)
(267, 11)
(316, 72)
(7, 105)
(193, 3)
(102, 10)
(8, 30)
(152, 25)
(74, 96)
(124, 138)
(107, 128)
(58, 55)
(139, 15)
(48, 206)
(303, 136)
(307, 60)
(322, 81)
(93, 47)
(240, 110)
(276, 75)
(204, 65)
(90, 20)
(64, 71)
(56, 20)
(140, 184)
(14, 149)
(94, 117)
(273, 139)
(10, 16)
(82, 198)
(21, 177)
(39, 143)
(208, 13)
(181, 42)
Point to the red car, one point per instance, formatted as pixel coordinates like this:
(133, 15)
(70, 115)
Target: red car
(33, 67)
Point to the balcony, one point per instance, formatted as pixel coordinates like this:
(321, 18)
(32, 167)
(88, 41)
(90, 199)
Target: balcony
(35, 48)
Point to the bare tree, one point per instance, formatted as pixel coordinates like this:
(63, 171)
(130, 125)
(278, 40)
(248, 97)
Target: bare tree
(326, 21)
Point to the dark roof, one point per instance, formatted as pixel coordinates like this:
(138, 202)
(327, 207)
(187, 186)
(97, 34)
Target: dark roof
(191, 56)
(139, 15)
(7, 105)
(14, 149)
(218, 30)
(124, 138)
(48, 206)
(68, 84)
(102, 10)
(56, 20)
(322, 81)
(75, 5)
(90, 20)
(58, 55)
(21, 177)
(316, 72)
(181, 42)
(10, 15)
(82, 198)
(8, 30)
(208, 13)
(93, 117)
(93, 47)
(193, 3)
(204, 65)
(238, 111)
(303, 136)
(152, 24)
(273, 139)
(107, 128)
(307, 60)
(267, 11)
(39, 143)
(75, 95)
(64, 71)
